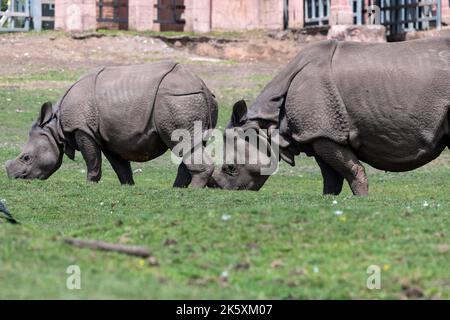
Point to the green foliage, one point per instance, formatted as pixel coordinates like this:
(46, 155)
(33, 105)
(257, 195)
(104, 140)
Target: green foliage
(286, 241)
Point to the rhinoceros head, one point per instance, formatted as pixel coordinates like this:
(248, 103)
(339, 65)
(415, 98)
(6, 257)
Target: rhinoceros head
(42, 155)
(237, 175)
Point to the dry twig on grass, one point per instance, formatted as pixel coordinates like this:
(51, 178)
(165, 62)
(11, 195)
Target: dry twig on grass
(105, 246)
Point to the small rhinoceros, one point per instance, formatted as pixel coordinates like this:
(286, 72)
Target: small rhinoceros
(385, 104)
(128, 113)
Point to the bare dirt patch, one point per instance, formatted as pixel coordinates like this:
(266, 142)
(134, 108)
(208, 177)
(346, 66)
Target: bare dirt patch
(24, 53)
(262, 49)
(227, 65)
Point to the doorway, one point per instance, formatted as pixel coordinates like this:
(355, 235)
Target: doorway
(170, 15)
(112, 14)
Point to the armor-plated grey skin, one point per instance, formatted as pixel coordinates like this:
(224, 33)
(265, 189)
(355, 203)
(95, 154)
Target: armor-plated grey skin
(127, 113)
(385, 104)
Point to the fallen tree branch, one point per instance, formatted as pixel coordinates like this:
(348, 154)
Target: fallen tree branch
(86, 35)
(105, 246)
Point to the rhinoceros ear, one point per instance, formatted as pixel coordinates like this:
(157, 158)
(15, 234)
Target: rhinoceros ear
(239, 114)
(46, 114)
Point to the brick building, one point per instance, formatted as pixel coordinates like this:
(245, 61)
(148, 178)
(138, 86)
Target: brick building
(209, 15)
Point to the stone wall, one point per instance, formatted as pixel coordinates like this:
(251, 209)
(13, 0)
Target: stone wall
(108, 13)
(200, 15)
(75, 15)
(270, 14)
(141, 15)
(445, 12)
(296, 14)
(205, 15)
(235, 15)
(197, 15)
(341, 12)
(81, 15)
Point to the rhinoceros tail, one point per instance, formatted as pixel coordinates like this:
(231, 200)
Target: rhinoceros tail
(212, 107)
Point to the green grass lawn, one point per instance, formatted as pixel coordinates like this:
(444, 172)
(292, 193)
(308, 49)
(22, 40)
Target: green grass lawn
(285, 241)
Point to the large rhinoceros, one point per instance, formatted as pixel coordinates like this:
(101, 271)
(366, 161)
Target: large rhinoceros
(128, 113)
(385, 104)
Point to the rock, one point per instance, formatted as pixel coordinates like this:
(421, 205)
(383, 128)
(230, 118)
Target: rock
(277, 264)
(280, 34)
(152, 261)
(224, 278)
(169, 242)
(412, 35)
(443, 248)
(366, 33)
(413, 292)
(242, 265)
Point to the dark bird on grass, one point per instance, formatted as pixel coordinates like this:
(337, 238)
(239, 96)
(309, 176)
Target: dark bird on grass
(4, 213)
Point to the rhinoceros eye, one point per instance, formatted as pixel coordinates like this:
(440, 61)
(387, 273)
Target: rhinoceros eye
(26, 158)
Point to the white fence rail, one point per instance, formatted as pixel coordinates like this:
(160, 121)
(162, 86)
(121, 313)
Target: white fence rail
(22, 15)
(317, 12)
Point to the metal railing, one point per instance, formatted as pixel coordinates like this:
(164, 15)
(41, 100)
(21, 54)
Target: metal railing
(169, 12)
(15, 15)
(400, 16)
(358, 11)
(22, 15)
(114, 15)
(48, 14)
(317, 12)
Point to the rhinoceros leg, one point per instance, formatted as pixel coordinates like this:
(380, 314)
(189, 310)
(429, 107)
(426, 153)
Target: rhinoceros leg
(121, 167)
(200, 170)
(185, 112)
(91, 155)
(183, 178)
(344, 161)
(332, 180)
(195, 174)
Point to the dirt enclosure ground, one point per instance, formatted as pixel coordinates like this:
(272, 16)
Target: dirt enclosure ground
(234, 58)
(286, 241)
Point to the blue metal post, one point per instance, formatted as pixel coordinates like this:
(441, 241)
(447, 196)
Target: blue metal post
(36, 13)
(438, 15)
